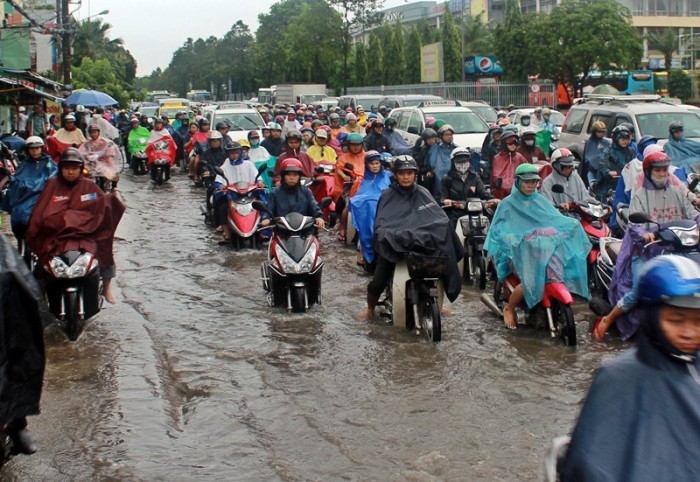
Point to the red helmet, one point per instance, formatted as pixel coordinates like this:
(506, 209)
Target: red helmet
(325, 128)
(291, 165)
(655, 159)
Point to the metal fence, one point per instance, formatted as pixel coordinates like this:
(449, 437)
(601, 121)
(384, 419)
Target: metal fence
(496, 94)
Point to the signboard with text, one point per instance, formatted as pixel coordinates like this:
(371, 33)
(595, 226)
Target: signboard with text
(482, 65)
(431, 64)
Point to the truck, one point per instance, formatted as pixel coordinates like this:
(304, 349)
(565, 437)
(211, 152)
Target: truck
(292, 93)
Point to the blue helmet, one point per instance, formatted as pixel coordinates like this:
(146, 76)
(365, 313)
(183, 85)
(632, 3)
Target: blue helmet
(672, 280)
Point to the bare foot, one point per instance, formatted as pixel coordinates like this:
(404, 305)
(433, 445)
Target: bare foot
(110, 297)
(445, 311)
(510, 318)
(365, 314)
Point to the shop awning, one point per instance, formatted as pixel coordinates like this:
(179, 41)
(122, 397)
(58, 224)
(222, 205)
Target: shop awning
(27, 80)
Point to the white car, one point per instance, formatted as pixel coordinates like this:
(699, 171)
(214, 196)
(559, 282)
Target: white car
(556, 117)
(242, 121)
(470, 129)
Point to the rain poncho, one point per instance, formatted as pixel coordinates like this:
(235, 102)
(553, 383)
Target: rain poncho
(503, 165)
(438, 161)
(101, 157)
(163, 148)
(543, 139)
(63, 139)
(683, 153)
(138, 139)
(573, 186)
(258, 153)
(25, 187)
(363, 208)
(594, 151)
(399, 146)
(107, 130)
(266, 176)
(641, 419)
(526, 233)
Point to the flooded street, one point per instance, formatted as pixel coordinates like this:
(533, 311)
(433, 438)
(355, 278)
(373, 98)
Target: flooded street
(193, 376)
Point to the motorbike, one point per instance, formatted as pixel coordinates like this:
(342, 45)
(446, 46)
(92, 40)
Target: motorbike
(413, 297)
(322, 186)
(291, 274)
(139, 162)
(8, 166)
(74, 290)
(473, 228)
(556, 302)
(107, 185)
(678, 237)
(592, 215)
(160, 171)
(351, 237)
(242, 218)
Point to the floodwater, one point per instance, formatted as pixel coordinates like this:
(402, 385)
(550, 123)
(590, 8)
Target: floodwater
(192, 376)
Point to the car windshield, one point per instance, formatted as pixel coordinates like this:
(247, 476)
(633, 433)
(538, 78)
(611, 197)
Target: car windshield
(149, 111)
(463, 121)
(171, 112)
(486, 113)
(240, 121)
(656, 124)
(368, 102)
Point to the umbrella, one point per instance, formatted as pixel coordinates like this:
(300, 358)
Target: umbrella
(90, 98)
(605, 89)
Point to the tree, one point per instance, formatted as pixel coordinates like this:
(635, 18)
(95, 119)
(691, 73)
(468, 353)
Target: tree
(99, 75)
(360, 71)
(478, 38)
(451, 48)
(375, 58)
(394, 71)
(91, 40)
(679, 84)
(413, 55)
(511, 49)
(666, 43)
(268, 62)
(356, 15)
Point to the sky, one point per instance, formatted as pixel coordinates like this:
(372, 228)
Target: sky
(153, 29)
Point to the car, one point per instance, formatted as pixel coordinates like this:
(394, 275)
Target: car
(648, 114)
(470, 129)
(412, 100)
(366, 101)
(482, 109)
(514, 116)
(242, 119)
(327, 103)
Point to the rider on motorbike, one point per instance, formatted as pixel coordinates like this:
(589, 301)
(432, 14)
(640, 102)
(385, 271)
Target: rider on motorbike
(611, 167)
(67, 136)
(531, 152)
(399, 146)
(376, 139)
(564, 173)
(530, 237)
(640, 417)
(213, 156)
(101, 155)
(461, 183)
(504, 164)
(682, 151)
(438, 160)
(410, 221)
(320, 151)
(35, 168)
(356, 157)
(293, 151)
(72, 213)
(274, 144)
(290, 196)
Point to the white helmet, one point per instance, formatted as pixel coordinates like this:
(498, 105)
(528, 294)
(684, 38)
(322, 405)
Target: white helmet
(460, 152)
(214, 135)
(34, 141)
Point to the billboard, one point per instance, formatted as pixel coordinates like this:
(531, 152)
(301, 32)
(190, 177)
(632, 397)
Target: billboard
(431, 65)
(481, 65)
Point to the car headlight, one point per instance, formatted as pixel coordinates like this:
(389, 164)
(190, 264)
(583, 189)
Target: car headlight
(688, 236)
(292, 267)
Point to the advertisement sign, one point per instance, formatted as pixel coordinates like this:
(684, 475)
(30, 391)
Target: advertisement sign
(431, 64)
(480, 65)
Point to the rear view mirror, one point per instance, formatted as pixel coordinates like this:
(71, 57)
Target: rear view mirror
(499, 182)
(639, 218)
(558, 188)
(413, 130)
(325, 202)
(259, 206)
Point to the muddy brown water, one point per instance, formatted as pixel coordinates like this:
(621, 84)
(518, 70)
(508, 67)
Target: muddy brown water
(192, 376)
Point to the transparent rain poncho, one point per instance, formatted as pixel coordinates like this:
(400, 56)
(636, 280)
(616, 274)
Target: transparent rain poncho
(530, 236)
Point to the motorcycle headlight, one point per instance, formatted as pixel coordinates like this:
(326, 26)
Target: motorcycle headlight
(474, 207)
(689, 236)
(82, 266)
(243, 209)
(595, 210)
(292, 267)
(58, 268)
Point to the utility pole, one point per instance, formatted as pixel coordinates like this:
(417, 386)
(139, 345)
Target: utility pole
(67, 28)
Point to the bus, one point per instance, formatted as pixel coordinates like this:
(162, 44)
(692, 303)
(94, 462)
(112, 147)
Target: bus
(156, 95)
(633, 82)
(199, 96)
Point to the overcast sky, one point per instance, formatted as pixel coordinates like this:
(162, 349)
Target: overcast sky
(153, 29)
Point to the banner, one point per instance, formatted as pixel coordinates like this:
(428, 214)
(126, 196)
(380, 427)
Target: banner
(480, 65)
(431, 64)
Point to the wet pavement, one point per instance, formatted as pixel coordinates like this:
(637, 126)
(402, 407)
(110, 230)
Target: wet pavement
(192, 375)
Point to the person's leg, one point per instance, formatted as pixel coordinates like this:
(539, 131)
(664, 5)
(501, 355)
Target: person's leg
(341, 213)
(108, 275)
(509, 316)
(17, 430)
(382, 273)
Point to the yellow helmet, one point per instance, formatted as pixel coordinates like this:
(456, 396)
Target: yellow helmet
(244, 143)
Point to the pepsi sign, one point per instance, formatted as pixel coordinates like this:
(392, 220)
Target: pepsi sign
(482, 65)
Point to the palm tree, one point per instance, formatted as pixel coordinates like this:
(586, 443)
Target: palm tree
(666, 43)
(91, 40)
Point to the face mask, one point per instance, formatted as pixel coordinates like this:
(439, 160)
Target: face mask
(659, 181)
(529, 142)
(525, 122)
(462, 167)
(254, 142)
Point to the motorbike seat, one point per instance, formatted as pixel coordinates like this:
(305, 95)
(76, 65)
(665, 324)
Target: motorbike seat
(613, 250)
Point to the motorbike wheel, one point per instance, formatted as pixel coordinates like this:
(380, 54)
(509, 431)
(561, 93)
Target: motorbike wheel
(72, 316)
(563, 317)
(298, 299)
(430, 322)
(480, 270)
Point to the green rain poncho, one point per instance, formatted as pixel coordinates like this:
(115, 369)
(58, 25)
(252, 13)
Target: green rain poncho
(138, 139)
(529, 235)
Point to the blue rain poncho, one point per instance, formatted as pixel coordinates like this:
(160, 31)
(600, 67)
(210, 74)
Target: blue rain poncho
(266, 176)
(26, 186)
(529, 234)
(684, 153)
(363, 207)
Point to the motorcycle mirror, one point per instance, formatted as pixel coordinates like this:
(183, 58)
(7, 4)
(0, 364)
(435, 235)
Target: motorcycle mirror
(558, 188)
(219, 171)
(349, 167)
(319, 169)
(259, 206)
(639, 218)
(325, 202)
(499, 182)
(693, 184)
(262, 168)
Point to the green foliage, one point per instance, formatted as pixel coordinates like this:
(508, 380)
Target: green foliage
(413, 49)
(511, 48)
(375, 59)
(451, 48)
(99, 75)
(665, 42)
(680, 84)
(395, 61)
(360, 70)
(478, 37)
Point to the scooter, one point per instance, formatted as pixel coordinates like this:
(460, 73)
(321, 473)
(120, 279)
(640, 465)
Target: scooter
(473, 228)
(242, 218)
(556, 302)
(73, 287)
(8, 167)
(160, 171)
(413, 297)
(678, 237)
(291, 275)
(322, 186)
(348, 169)
(592, 215)
(139, 161)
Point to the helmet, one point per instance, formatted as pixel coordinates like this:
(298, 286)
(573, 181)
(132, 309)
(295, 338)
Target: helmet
(460, 155)
(221, 125)
(378, 122)
(158, 120)
(244, 143)
(501, 113)
(527, 172)
(652, 148)
(528, 131)
(203, 122)
(525, 115)
(232, 146)
(279, 118)
(293, 134)
(334, 116)
(428, 133)
(69, 118)
(372, 156)
(215, 135)
(675, 126)
(562, 158)
(71, 156)
(619, 132)
(655, 159)
(307, 129)
(546, 111)
(291, 112)
(390, 122)
(429, 121)
(321, 134)
(598, 126)
(350, 117)
(274, 126)
(405, 163)
(354, 138)
(34, 141)
(672, 280)
(444, 128)
(93, 127)
(291, 165)
(134, 119)
(507, 135)
(645, 142)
